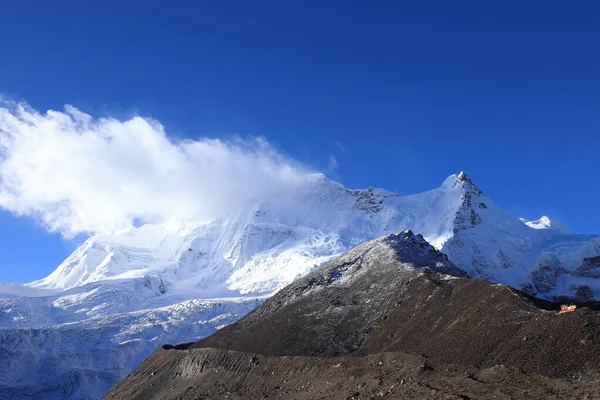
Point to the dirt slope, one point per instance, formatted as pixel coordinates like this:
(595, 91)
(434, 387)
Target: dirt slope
(225, 374)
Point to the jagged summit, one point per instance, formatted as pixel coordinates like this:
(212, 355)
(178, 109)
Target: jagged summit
(465, 181)
(462, 181)
(463, 177)
(545, 222)
(402, 247)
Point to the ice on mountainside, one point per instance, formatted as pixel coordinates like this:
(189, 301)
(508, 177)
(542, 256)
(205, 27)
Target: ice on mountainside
(140, 280)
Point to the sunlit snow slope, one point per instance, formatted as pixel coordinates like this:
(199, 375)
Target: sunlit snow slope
(117, 297)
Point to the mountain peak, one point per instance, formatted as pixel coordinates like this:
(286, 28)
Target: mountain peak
(461, 180)
(545, 223)
(467, 184)
(403, 247)
(463, 177)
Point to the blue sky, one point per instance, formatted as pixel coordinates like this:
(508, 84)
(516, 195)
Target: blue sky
(400, 94)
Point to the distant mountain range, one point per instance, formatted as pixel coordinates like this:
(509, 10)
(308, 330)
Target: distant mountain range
(118, 297)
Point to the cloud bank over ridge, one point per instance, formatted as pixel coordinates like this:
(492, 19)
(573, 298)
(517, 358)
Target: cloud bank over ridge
(80, 174)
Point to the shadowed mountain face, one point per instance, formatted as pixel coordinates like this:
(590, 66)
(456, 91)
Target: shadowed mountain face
(392, 317)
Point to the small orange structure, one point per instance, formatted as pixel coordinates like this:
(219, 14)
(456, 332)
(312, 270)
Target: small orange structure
(567, 308)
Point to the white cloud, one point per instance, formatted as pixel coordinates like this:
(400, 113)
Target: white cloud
(333, 162)
(341, 148)
(78, 174)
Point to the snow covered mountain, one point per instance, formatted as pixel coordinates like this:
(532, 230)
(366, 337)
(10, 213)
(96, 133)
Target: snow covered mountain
(117, 297)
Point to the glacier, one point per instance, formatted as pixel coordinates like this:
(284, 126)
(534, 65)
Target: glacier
(76, 332)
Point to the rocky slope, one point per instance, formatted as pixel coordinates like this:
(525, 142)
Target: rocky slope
(222, 374)
(137, 289)
(392, 317)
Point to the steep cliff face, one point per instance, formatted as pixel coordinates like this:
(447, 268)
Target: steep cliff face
(394, 311)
